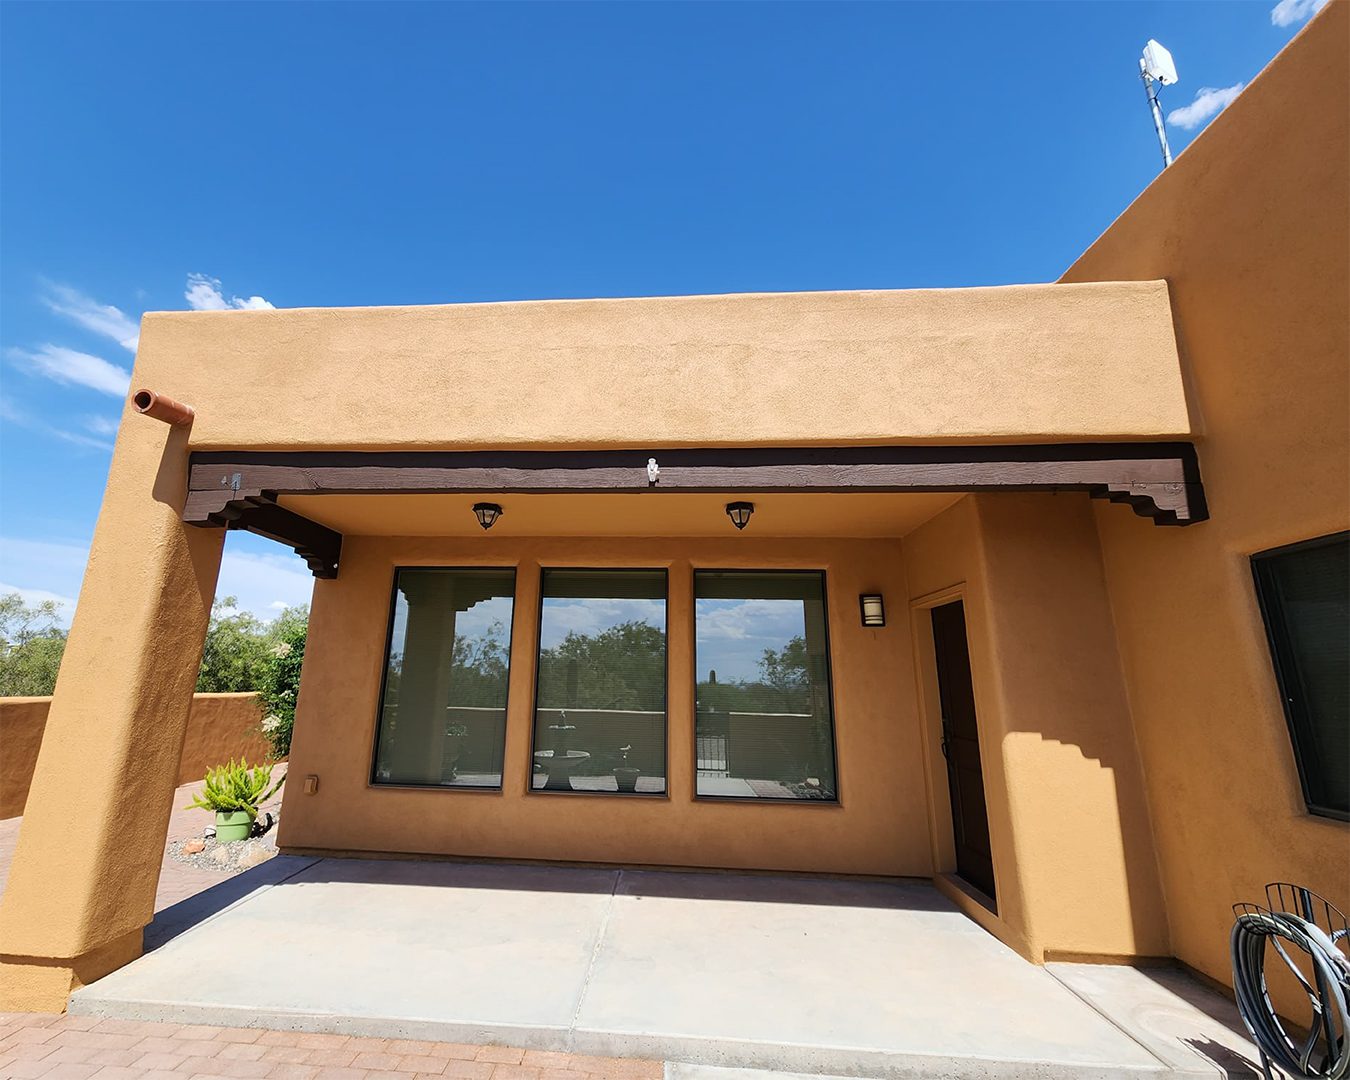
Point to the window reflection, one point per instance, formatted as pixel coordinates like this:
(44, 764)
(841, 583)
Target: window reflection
(443, 711)
(764, 727)
(600, 716)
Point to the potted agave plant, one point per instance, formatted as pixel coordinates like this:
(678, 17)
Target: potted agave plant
(626, 775)
(235, 791)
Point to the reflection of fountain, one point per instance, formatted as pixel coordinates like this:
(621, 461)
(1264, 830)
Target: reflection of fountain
(561, 762)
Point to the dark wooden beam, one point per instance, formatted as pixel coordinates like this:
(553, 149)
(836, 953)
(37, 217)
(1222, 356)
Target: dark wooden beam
(318, 545)
(1159, 480)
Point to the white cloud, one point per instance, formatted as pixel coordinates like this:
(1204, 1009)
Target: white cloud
(15, 416)
(65, 605)
(101, 425)
(100, 318)
(54, 570)
(1288, 12)
(39, 570)
(204, 294)
(72, 368)
(1208, 102)
(264, 583)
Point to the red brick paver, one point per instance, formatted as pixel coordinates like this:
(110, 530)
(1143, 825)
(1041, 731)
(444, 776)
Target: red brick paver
(86, 1048)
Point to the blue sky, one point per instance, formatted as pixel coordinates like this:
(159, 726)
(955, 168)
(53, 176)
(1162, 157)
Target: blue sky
(165, 156)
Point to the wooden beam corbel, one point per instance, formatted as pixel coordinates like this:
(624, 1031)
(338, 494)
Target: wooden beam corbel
(257, 512)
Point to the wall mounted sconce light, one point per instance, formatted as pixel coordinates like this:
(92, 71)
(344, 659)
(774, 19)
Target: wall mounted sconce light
(740, 512)
(487, 514)
(873, 610)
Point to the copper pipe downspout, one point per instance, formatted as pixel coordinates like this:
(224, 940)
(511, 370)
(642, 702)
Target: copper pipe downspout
(163, 408)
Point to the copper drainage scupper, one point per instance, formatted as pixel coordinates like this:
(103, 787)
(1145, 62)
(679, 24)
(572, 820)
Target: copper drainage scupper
(162, 408)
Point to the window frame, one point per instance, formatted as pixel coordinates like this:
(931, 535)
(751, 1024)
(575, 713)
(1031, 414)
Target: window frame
(664, 571)
(742, 800)
(374, 783)
(1283, 660)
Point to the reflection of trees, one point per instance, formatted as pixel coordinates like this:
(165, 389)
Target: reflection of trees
(478, 670)
(621, 667)
(793, 750)
(784, 685)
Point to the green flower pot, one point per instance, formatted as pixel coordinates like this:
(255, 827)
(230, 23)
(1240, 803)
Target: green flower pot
(235, 825)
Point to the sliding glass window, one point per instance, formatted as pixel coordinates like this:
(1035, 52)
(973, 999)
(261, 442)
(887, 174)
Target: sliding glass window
(764, 725)
(443, 710)
(600, 715)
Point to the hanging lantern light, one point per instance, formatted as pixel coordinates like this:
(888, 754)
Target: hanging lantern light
(487, 514)
(740, 512)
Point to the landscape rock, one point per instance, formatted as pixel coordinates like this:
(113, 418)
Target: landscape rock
(233, 857)
(254, 855)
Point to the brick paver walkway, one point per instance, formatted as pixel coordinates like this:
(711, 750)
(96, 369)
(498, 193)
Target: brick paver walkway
(80, 1047)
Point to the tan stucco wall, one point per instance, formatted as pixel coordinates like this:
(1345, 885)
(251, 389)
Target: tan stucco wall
(1250, 227)
(1027, 362)
(1073, 849)
(21, 722)
(220, 727)
(879, 827)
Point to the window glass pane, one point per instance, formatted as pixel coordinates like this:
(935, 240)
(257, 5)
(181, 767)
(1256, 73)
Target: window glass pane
(600, 715)
(764, 723)
(443, 714)
(1306, 596)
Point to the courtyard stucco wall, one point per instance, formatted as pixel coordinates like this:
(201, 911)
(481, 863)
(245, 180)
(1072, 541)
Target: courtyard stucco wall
(879, 826)
(220, 727)
(1250, 229)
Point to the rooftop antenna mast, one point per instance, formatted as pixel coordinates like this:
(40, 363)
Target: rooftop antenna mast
(1157, 69)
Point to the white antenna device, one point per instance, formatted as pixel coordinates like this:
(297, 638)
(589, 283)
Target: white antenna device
(1156, 68)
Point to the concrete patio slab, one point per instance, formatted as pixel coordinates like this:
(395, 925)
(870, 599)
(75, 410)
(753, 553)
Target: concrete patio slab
(1180, 1021)
(765, 972)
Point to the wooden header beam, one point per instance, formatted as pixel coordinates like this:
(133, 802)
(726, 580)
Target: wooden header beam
(239, 489)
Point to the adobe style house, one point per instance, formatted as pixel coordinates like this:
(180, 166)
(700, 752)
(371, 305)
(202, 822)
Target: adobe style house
(1037, 595)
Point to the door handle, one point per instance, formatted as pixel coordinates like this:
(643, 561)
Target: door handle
(943, 743)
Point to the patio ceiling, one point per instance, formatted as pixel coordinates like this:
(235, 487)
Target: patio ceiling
(871, 514)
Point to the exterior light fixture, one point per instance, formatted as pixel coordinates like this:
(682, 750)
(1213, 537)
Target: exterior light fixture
(740, 512)
(873, 610)
(487, 514)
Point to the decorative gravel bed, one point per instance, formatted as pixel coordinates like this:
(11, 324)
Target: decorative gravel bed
(205, 853)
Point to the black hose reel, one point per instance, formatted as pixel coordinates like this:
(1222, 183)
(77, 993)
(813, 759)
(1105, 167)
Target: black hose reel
(1310, 937)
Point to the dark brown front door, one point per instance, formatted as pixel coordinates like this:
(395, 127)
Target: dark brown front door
(961, 748)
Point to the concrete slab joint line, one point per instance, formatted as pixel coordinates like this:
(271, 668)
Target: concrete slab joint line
(595, 953)
(745, 972)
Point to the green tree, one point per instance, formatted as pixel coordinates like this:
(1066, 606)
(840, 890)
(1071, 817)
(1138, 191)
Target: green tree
(235, 651)
(621, 667)
(31, 645)
(279, 677)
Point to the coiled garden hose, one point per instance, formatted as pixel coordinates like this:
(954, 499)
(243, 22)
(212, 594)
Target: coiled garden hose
(1325, 1053)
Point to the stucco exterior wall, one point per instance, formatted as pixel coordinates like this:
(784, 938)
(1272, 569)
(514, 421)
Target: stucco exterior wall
(22, 720)
(1068, 820)
(1018, 363)
(1251, 231)
(879, 826)
(220, 727)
